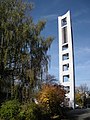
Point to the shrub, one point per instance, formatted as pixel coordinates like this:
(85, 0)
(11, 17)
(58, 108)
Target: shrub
(9, 110)
(13, 110)
(30, 111)
(51, 97)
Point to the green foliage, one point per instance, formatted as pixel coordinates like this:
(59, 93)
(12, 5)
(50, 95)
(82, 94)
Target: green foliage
(9, 110)
(13, 110)
(30, 111)
(78, 98)
(23, 51)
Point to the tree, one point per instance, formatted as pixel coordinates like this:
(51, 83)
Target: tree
(50, 79)
(23, 51)
(51, 97)
(84, 88)
(78, 99)
(81, 94)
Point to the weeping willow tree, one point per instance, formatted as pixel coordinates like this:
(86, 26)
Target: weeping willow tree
(23, 50)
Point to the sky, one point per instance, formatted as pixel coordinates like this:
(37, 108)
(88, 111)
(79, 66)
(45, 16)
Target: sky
(80, 15)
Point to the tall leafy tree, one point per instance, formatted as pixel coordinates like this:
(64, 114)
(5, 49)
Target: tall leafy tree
(23, 51)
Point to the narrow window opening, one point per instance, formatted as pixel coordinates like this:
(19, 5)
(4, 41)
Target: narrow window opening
(67, 88)
(65, 56)
(65, 78)
(64, 35)
(65, 67)
(65, 47)
(66, 101)
(64, 21)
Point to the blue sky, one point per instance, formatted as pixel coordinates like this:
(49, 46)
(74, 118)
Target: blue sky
(80, 15)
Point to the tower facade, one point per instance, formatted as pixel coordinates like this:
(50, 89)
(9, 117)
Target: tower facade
(66, 57)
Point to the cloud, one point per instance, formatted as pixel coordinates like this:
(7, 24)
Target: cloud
(50, 17)
(84, 65)
(82, 58)
(81, 12)
(82, 21)
(85, 50)
(82, 73)
(78, 17)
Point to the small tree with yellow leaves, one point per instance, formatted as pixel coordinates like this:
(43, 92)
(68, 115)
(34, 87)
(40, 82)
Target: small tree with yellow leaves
(51, 97)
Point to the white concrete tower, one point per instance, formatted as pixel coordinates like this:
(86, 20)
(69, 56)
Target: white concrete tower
(66, 57)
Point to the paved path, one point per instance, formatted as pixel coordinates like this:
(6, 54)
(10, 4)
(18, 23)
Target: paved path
(79, 114)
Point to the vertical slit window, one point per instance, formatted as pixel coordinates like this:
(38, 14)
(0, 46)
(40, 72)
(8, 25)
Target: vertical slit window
(64, 35)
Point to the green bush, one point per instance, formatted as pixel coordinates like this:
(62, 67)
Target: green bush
(9, 110)
(30, 111)
(13, 110)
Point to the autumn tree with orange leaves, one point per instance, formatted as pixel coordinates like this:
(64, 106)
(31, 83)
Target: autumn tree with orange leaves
(51, 97)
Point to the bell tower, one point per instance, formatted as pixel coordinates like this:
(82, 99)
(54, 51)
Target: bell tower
(66, 57)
